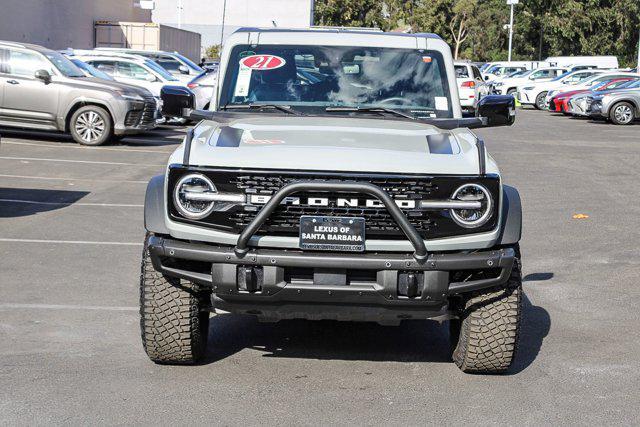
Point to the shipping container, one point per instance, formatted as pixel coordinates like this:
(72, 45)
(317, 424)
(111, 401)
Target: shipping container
(148, 36)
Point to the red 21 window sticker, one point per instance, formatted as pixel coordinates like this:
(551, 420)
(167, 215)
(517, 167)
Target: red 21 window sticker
(262, 62)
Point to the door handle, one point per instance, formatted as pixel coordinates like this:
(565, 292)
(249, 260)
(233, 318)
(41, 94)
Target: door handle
(13, 82)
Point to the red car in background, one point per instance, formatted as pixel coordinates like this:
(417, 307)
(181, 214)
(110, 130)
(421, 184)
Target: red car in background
(559, 102)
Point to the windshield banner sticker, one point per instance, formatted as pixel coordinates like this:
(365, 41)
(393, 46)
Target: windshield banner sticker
(442, 103)
(262, 62)
(243, 81)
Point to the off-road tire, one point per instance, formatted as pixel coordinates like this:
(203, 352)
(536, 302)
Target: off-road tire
(622, 113)
(173, 326)
(103, 119)
(539, 104)
(486, 335)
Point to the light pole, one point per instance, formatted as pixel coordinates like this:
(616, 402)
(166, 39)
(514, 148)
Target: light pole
(638, 63)
(512, 3)
(179, 13)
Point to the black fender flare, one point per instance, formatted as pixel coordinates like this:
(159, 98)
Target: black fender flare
(511, 228)
(154, 206)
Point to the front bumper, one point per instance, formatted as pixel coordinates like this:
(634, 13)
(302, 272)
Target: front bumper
(136, 117)
(279, 284)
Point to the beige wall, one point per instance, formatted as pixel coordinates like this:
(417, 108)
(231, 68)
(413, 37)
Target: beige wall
(59, 24)
(239, 13)
(205, 16)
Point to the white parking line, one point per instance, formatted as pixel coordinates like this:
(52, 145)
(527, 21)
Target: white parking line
(36, 202)
(48, 178)
(65, 307)
(69, 242)
(36, 159)
(80, 147)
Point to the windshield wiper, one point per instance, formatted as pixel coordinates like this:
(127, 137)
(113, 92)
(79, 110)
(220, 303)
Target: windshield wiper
(284, 108)
(368, 110)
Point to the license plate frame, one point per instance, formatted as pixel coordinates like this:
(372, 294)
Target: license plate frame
(332, 233)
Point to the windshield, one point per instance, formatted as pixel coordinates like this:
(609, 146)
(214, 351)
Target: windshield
(159, 70)
(316, 77)
(64, 65)
(93, 71)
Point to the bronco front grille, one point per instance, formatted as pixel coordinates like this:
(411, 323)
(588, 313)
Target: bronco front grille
(379, 224)
(378, 221)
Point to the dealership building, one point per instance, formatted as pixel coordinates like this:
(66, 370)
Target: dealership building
(206, 16)
(58, 24)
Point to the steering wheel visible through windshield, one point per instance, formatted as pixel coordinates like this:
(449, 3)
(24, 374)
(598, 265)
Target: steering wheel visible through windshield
(308, 78)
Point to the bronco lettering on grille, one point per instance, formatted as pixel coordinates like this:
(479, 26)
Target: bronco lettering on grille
(339, 202)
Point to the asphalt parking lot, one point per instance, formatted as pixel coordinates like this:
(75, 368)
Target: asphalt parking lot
(71, 228)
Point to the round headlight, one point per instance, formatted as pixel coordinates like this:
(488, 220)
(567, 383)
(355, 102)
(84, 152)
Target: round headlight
(186, 196)
(471, 218)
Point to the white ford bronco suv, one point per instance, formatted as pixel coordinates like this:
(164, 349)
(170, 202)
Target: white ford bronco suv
(333, 177)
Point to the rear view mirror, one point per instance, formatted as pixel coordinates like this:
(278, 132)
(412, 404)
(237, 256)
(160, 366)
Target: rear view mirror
(497, 110)
(44, 76)
(177, 101)
(351, 68)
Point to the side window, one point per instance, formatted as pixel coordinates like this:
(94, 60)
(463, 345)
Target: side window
(108, 67)
(476, 72)
(542, 74)
(26, 63)
(130, 70)
(4, 61)
(168, 63)
(461, 71)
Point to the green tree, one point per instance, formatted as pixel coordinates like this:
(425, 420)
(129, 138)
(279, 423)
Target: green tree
(474, 28)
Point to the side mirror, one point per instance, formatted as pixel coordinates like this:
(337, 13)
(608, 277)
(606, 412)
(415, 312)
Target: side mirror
(183, 69)
(150, 78)
(177, 101)
(44, 76)
(497, 110)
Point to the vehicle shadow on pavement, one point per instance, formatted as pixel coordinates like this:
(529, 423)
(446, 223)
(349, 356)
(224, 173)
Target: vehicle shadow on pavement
(412, 341)
(159, 137)
(535, 326)
(19, 202)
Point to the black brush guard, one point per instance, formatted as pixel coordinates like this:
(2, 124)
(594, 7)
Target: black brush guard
(420, 250)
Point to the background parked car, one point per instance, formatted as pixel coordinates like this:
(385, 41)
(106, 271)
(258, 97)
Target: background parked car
(180, 66)
(130, 69)
(559, 101)
(567, 81)
(90, 70)
(621, 107)
(509, 85)
(42, 89)
(498, 71)
(469, 81)
(203, 87)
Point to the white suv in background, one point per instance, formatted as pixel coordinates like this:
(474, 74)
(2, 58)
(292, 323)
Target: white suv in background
(131, 69)
(178, 65)
(469, 81)
(509, 86)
